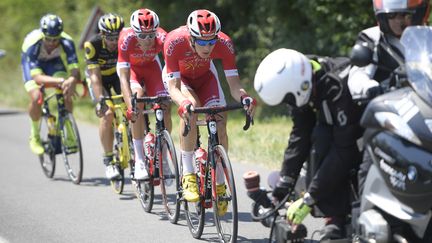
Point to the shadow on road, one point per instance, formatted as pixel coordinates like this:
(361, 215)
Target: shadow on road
(10, 112)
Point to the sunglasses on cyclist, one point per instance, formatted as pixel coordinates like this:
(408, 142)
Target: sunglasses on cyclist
(51, 39)
(206, 42)
(111, 37)
(143, 36)
(402, 14)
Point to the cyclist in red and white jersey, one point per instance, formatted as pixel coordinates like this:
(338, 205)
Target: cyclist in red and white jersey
(140, 72)
(192, 80)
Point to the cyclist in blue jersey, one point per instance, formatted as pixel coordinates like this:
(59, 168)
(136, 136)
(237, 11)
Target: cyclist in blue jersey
(42, 65)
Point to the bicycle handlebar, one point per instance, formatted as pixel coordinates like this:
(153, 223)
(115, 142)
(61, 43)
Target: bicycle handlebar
(215, 110)
(152, 99)
(148, 99)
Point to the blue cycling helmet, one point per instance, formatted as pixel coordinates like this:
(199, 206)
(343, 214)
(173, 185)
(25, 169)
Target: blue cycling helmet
(51, 25)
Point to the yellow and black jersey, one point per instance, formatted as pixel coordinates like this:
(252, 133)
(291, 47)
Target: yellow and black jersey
(97, 55)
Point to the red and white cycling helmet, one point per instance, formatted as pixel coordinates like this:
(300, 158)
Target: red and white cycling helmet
(144, 21)
(284, 75)
(203, 24)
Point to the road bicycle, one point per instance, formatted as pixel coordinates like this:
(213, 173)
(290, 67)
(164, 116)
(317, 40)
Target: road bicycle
(59, 135)
(208, 170)
(160, 160)
(123, 146)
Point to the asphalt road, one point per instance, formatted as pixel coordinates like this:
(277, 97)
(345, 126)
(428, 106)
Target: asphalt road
(34, 208)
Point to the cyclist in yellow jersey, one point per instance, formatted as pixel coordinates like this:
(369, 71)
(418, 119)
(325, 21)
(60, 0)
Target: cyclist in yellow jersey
(101, 60)
(42, 65)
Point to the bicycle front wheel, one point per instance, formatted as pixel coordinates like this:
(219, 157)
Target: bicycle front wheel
(48, 158)
(169, 177)
(71, 148)
(195, 212)
(224, 197)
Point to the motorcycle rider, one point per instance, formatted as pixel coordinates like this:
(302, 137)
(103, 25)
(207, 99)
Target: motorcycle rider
(393, 17)
(325, 121)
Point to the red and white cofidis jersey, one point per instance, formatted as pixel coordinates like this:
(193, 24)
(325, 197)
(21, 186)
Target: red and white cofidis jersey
(130, 53)
(182, 61)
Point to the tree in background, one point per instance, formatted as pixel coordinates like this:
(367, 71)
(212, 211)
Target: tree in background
(324, 27)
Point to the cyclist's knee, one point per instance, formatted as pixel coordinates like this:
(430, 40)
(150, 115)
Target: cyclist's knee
(35, 96)
(108, 117)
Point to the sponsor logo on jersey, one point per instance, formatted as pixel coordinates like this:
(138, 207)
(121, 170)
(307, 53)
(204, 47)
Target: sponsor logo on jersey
(173, 43)
(228, 44)
(125, 43)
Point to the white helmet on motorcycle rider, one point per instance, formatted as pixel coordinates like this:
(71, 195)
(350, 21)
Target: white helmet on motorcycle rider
(284, 75)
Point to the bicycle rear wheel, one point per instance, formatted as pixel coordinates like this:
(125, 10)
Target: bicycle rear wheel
(169, 178)
(71, 147)
(48, 158)
(226, 222)
(146, 194)
(117, 184)
(122, 156)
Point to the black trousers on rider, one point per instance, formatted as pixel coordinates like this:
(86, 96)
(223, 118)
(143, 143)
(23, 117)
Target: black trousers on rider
(332, 172)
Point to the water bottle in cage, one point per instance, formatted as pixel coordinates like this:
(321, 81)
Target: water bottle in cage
(149, 144)
(200, 160)
(121, 129)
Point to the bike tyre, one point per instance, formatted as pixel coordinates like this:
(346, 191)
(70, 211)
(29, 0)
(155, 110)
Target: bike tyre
(146, 194)
(75, 173)
(195, 219)
(48, 158)
(231, 216)
(171, 201)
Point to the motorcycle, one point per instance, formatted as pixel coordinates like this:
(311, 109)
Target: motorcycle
(396, 202)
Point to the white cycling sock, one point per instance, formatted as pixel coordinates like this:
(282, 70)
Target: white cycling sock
(188, 166)
(139, 150)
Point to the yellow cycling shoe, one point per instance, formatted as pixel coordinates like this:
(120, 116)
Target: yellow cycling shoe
(222, 205)
(36, 145)
(190, 188)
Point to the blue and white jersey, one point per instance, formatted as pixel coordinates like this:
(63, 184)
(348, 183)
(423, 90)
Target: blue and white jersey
(35, 55)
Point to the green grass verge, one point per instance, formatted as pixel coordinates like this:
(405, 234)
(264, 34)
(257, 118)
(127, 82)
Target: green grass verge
(264, 143)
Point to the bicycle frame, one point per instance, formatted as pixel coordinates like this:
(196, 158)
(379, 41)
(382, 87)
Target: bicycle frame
(206, 188)
(158, 110)
(64, 139)
(117, 105)
(61, 108)
(156, 160)
(209, 171)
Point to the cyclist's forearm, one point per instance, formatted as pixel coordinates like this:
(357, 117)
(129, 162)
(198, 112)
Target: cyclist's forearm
(96, 82)
(124, 75)
(42, 79)
(236, 89)
(174, 90)
(75, 73)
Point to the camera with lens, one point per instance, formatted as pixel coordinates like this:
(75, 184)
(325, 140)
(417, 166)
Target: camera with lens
(266, 212)
(257, 194)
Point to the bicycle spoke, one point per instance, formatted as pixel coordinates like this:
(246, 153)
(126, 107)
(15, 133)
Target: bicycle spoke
(117, 184)
(195, 217)
(195, 213)
(169, 178)
(48, 158)
(226, 221)
(71, 146)
(145, 192)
